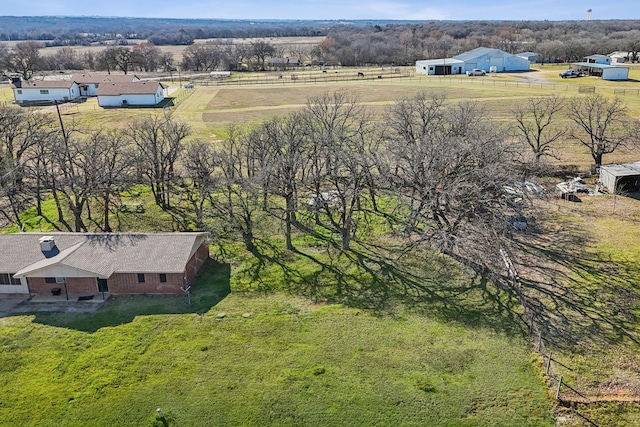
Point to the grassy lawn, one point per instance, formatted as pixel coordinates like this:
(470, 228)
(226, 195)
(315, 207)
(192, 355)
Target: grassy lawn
(271, 360)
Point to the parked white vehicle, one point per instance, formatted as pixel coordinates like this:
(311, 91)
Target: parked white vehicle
(476, 72)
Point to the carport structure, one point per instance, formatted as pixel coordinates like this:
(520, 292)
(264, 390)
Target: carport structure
(606, 72)
(621, 178)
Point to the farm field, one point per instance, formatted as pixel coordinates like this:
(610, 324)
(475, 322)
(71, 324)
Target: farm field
(458, 357)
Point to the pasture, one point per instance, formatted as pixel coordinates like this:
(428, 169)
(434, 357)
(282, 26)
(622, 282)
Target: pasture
(455, 355)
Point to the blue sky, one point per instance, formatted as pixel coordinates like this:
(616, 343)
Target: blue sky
(552, 10)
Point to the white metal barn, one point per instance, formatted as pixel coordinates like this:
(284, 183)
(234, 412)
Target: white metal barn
(484, 58)
(145, 93)
(45, 91)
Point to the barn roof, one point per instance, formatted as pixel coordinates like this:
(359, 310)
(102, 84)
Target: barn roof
(480, 51)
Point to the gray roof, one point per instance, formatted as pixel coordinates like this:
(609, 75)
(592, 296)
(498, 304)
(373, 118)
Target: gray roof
(47, 84)
(526, 54)
(480, 51)
(129, 88)
(594, 65)
(441, 61)
(100, 254)
(626, 169)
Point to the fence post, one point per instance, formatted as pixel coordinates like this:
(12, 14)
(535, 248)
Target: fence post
(558, 390)
(548, 364)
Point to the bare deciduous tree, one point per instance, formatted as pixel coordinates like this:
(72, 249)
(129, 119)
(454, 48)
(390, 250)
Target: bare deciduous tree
(261, 50)
(453, 182)
(24, 59)
(536, 125)
(239, 201)
(602, 124)
(147, 56)
(200, 161)
(341, 160)
(22, 131)
(111, 159)
(158, 141)
(284, 143)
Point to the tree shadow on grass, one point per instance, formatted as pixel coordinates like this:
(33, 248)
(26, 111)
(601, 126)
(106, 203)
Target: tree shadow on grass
(211, 286)
(582, 300)
(382, 278)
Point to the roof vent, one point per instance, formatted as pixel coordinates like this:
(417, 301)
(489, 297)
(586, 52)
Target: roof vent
(47, 243)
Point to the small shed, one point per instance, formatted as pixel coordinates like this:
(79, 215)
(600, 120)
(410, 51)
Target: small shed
(621, 178)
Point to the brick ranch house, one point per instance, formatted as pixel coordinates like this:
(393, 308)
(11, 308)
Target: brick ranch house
(84, 263)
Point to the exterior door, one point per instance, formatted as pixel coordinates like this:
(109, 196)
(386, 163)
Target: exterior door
(103, 286)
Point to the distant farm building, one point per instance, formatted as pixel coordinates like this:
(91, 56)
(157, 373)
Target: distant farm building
(529, 56)
(483, 58)
(283, 62)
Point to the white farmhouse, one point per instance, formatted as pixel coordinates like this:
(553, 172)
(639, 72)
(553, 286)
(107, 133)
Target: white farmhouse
(142, 93)
(45, 91)
(620, 57)
(484, 58)
(89, 82)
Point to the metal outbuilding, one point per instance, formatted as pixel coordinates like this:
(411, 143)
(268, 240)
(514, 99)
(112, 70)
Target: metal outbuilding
(606, 72)
(483, 58)
(621, 178)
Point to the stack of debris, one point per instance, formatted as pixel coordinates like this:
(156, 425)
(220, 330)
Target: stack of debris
(569, 190)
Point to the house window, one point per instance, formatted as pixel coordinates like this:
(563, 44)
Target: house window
(97, 85)
(7, 279)
(140, 277)
(44, 91)
(163, 278)
(19, 91)
(50, 280)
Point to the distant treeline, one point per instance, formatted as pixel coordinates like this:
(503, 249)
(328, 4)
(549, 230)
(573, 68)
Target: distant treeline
(354, 43)
(69, 31)
(408, 35)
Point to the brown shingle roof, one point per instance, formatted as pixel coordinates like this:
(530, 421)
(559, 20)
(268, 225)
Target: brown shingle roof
(101, 254)
(129, 88)
(47, 84)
